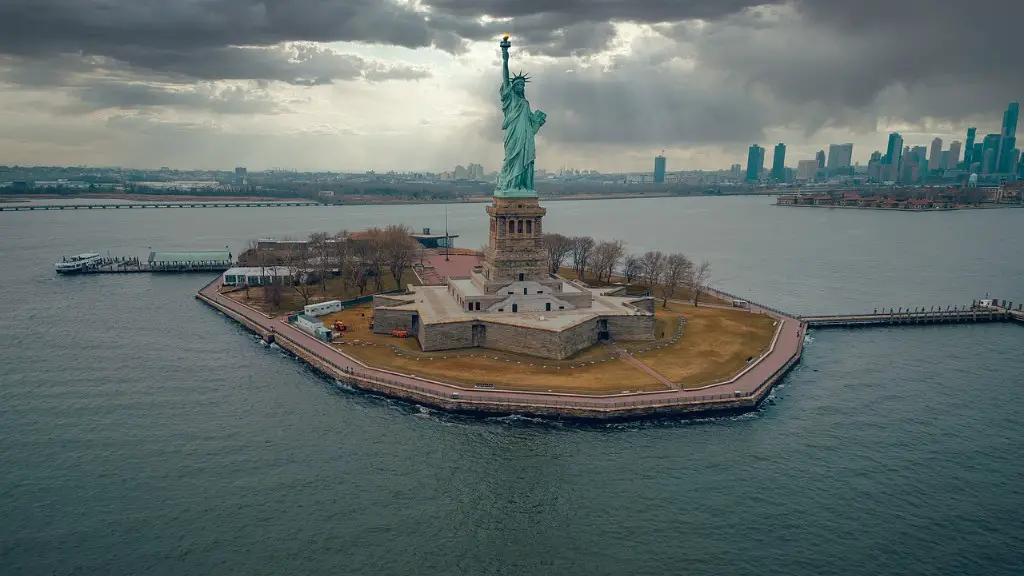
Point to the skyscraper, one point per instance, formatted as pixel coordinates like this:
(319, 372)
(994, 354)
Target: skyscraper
(969, 148)
(954, 155)
(840, 156)
(1006, 147)
(820, 157)
(1010, 119)
(755, 157)
(990, 153)
(779, 163)
(894, 150)
(806, 169)
(935, 156)
(659, 169)
(1008, 138)
(760, 162)
(875, 167)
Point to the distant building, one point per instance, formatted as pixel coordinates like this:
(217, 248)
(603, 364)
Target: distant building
(755, 159)
(935, 156)
(461, 173)
(820, 157)
(893, 153)
(875, 167)
(779, 163)
(953, 160)
(475, 172)
(893, 159)
(736, 171)
(969, 148)
(990, 153)
(241, 177)
(840, 156)
(659, 169)
(806, 169)
(1008, 140)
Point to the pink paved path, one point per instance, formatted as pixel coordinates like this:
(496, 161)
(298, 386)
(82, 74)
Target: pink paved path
(750, 384)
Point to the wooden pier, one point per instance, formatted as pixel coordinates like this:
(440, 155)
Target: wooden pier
(920, 316)
(19, 207)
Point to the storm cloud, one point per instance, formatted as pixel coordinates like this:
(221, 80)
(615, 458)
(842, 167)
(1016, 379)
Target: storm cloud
(613, 75)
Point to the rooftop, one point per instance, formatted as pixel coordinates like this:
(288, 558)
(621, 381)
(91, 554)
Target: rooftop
(436, 305)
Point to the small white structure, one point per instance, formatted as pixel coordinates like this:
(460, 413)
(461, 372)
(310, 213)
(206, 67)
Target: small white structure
(312, 326)
(323, 308)
(740, 304)
(254, 275)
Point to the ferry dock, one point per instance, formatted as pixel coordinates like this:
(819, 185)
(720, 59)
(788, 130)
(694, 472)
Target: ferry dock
(18, 207)
(157, 262)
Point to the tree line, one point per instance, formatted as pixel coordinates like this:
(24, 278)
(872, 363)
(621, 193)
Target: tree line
(356, 259)
(602, 260)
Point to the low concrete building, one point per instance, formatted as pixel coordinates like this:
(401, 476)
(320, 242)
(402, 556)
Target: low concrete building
(511, 302)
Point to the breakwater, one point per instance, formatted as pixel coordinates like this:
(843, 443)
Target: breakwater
(152, 206)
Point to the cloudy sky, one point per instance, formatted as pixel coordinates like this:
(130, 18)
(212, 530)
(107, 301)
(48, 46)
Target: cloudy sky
(412, 84)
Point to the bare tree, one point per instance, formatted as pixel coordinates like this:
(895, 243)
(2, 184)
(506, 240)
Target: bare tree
(699, 280)
(272, 291)
(341, 257)
(559, 247)
(320, 257)
(611, 255)
(297, 259)
(582, 250)
(678, 269)
(374, 256)
(632, 267)
(400, 249)
(653, 266)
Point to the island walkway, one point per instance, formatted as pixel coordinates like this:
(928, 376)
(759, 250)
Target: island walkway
(741, 392)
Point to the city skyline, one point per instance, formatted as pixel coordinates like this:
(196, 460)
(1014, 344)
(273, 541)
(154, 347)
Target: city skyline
(358, 85)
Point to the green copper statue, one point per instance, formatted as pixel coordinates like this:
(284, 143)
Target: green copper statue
(520, 126)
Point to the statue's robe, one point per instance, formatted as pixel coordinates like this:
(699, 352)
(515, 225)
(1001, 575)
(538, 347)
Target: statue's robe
(520, 126)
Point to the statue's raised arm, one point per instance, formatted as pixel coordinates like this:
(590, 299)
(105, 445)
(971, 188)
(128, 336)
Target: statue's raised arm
(505, 45)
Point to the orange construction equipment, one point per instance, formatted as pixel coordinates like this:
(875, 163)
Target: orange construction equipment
(400, 333)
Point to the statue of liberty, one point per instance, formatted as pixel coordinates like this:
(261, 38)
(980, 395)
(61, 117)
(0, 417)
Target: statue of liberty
(520, 126)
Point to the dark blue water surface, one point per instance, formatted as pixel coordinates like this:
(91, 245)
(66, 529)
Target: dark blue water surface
(142, 433)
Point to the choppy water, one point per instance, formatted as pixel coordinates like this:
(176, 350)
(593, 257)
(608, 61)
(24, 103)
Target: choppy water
(141, 433)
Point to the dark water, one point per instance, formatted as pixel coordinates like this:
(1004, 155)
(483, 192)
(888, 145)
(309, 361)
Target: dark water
(141, 433)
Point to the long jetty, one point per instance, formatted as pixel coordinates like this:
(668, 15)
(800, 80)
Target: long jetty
(18, 207)
(147, 268)
(974, 313)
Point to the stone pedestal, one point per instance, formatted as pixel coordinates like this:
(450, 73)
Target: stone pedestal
(515, 249)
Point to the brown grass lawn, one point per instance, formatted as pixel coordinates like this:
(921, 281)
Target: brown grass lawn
(715, 344)
(503, 370)
(336, 290)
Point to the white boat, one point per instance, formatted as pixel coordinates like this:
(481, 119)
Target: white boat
(78, 263)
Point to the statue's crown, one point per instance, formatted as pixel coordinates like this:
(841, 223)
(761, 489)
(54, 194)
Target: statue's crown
(524, 77)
